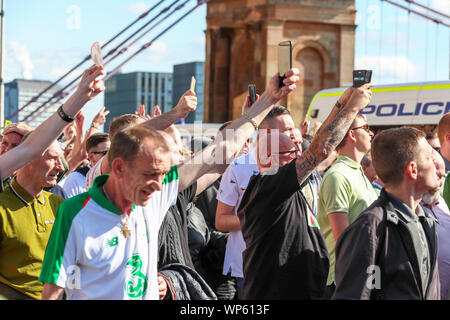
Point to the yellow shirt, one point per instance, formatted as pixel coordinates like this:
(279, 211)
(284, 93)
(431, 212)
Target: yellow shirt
(25, 227)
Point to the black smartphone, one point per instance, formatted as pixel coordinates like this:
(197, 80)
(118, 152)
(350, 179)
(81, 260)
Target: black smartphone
(361, 77)
(284, 60)
(252, 93)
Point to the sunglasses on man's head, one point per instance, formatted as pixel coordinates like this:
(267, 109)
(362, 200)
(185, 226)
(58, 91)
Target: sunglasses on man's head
(100, 152)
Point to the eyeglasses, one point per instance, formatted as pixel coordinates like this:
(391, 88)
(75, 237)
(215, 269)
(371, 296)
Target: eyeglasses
(364, 127)
(287, 152)
(100, 152)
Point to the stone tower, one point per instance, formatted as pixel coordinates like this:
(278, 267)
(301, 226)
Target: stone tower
(241, 48)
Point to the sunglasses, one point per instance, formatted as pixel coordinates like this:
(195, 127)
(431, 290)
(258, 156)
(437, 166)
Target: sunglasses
(100, 152)
(287, 152)
(364, 127)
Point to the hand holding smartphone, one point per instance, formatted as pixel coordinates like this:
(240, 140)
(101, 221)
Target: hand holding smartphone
(252, 93)
(361, 77)
(284, 60)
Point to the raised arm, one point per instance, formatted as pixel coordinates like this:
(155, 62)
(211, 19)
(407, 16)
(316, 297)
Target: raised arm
(186, 104)
(39, 140)
(333, 130)
(216, 157)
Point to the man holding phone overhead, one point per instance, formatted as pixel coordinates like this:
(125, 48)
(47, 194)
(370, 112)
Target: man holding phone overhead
(286, 255)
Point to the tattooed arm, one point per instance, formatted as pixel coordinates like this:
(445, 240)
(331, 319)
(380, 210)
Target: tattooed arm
(216, 157)
(333, 130)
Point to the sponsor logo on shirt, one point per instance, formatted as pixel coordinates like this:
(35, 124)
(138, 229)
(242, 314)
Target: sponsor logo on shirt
(137, 283)
(112, 242)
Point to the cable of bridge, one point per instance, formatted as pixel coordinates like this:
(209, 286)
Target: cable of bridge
(435, 20)
(61, 94)
(428, 8)
(35, 98)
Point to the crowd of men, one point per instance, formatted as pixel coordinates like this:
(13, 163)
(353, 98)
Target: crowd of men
(137, 213)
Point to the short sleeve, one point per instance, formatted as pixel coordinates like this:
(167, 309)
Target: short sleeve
(168, 195)
(446, 193)
(61, 252)
(335, 193)
(229, 190)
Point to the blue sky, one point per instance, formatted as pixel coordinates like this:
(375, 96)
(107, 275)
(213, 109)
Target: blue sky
(45, 38)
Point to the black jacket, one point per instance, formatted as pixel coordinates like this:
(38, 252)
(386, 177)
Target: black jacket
(378, 237)
(185, 283)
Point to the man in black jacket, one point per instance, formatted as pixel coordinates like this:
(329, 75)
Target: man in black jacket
(390, 250)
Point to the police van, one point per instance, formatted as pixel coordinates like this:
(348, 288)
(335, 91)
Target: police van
(392, 105)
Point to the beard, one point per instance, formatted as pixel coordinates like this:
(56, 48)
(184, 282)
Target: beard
(431, 198)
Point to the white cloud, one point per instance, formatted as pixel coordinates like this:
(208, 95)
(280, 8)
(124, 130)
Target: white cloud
(441, 6)
(18, 55)
(388, 67)
(200, 40)
(137, 8)
(158, 47)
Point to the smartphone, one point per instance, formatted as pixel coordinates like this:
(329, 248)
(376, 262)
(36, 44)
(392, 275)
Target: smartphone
(284, 60)
(361, 77)
(252, 93)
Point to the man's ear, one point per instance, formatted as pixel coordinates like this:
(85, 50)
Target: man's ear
(350, 135)
(90, 156)
(411, 170)
(118, 167)
(447, 137)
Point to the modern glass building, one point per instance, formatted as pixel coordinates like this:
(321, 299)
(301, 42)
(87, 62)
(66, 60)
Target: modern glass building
(182, 75)
(125, 92)
(20, 91)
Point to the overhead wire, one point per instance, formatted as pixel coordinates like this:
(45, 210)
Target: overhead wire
(145, 46)
(64, 92)
(35, 98)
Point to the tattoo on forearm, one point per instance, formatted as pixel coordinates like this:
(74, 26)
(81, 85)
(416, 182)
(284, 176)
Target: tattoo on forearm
(325, 141)
(305, 165)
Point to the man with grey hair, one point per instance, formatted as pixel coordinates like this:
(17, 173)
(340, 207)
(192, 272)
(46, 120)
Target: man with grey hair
(27, 214)
(111, 249)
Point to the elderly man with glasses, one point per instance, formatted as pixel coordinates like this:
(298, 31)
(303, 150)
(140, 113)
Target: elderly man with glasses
(345, 190)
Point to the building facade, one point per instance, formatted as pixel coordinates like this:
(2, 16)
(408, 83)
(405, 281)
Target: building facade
(125, 92)
(242, 47)
(20, 91)
(182, 75)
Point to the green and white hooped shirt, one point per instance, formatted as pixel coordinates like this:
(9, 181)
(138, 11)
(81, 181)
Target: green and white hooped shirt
(88, 256)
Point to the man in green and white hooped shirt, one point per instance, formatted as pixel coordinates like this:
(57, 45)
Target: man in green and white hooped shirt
(90, 255)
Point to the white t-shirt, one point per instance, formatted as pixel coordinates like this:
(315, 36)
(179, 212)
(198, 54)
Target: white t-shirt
(89, 257)
(232, 188)
(74, 184)
(93, 173)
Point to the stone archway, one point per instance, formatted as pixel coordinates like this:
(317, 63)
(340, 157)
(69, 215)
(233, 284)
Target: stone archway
(313, 61)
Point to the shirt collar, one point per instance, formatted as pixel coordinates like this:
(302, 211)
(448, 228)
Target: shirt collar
(96, 195)
(23, 195)
(349, 162)
(404, 210)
